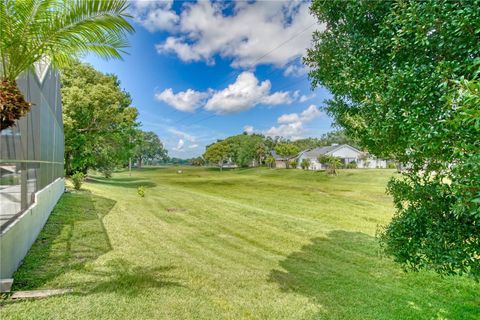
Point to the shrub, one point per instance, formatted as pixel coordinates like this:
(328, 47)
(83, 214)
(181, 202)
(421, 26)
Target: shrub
(352, 165)
(331, 162)
(270, 161)
(305, 164)
(292, 164)
(141, 191)
(391, 165)
(77, 180)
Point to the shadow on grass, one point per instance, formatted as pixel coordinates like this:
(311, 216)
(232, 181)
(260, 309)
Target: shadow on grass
(123, 182)
(121, 277)
(344, 275)
(73, 236)
(72, 239)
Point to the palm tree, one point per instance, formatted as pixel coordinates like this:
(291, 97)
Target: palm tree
(331, 162)
(305, 164)
(60, 31)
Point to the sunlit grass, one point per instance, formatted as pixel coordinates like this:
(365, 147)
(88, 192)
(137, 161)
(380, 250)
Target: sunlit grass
(241, 244)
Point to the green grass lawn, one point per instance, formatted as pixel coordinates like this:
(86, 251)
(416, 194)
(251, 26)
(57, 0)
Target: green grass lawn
(241, 244)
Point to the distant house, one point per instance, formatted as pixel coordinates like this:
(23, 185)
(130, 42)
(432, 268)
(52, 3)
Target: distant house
(346, 153)
(280, 161)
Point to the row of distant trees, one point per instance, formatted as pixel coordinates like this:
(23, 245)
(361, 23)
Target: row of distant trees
(246, 150)
(102, 131)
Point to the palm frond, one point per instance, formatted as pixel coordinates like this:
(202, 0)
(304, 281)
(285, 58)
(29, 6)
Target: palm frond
(61, 30)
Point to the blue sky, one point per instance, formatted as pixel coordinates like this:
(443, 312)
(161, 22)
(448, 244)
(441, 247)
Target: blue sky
(203, 71)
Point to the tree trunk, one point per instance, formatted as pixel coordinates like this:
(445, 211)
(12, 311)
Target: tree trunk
(68, 161)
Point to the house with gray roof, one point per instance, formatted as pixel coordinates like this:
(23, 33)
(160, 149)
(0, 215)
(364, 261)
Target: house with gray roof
(280, 161)
(345, 152)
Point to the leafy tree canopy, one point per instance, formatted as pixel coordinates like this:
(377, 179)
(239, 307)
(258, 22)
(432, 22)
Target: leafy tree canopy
(99, 121)
(149, 148)
(218, 153)
(287, 149)
(404, 79)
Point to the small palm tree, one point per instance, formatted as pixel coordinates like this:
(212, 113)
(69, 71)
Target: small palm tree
(331, 162)
(270, 161)
(58, 30)
(305, 164)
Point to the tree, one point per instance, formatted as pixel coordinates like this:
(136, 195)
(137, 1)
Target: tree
(57, 31)
(149, 148)
(292, 163)
(287, 150)
(331, 162)
(326, 139)
(218, 153)
(198, 162)
(305, 164)
(270, 161)
(99, 122)
(404, 79)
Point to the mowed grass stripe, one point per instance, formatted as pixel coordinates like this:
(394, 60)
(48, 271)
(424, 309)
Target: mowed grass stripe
(243, 244)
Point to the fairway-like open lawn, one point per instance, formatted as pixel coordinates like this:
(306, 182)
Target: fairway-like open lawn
(240, 244)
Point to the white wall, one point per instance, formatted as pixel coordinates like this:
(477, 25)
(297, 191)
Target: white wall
(345, 152)
(17, 238)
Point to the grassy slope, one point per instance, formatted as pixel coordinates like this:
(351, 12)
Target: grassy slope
(269, 244)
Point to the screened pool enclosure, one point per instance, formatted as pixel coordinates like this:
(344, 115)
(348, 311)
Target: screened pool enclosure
(31, 152)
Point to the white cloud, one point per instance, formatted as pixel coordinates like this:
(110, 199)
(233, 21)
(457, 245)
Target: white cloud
(295, 70)
(193, 146)
(180, 145)
(310, 113)
(292, 130)
(186, 101)
(183, 135)
(245, 93)
(248, 129)
(154, 15)
(291, 125)
(304, 97)
(289, 118)
(261, 32)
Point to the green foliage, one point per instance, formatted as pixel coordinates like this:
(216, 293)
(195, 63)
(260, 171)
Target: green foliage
(391, 165)
(331, 162)
(305, 164)
(405, 81)
(292, 164)
(244, 150)
(327, 139)
(351, 165)
(270, 161)
(100, 125)
(148, 148)
(141, 191)
(218, 153)
(59, 30)
(77, 180)
(198, 162)
(286, 149)
(209, 226)
(255, 149)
